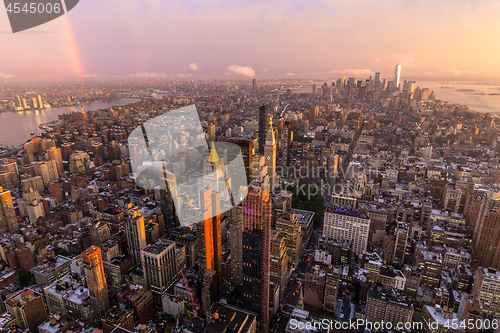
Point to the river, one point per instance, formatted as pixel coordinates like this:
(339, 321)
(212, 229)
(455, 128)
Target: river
(16, 126)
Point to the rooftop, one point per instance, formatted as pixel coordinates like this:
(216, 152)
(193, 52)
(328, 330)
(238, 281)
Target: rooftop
(159, 246)
(227, 318)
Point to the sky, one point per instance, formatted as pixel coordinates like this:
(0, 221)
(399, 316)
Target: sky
(238, 40)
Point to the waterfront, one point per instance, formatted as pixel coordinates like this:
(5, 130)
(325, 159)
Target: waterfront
(472, 94)
(16, 126)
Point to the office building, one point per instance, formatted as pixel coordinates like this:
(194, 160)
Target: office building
(247, 149)
(270, 156)
(254, 87)
(256, 217)
(159, 267)
(286, 144)
(288, 226)
(263, 127)
(96, 281)
(397, 74)
(135, 232)
(279, 261)
(401, 240)
(351, 224)
(28, 308)
(167, 206)
(313, 113)
(8, 217)
(487, 288)
(487, 240)
(235, 242)
(208, 234)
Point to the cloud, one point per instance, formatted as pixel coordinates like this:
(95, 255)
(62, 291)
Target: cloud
(6, 76)
(241, 70)
(458, 72)
(377, 59)
(290, 74)
(193, 66)
(355, 72)
(181, 75)
(149, 75)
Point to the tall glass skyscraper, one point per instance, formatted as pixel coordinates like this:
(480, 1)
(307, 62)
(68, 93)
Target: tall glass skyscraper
(397, 74)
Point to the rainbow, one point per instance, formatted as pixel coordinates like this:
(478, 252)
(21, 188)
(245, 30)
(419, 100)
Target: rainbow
(75, 52)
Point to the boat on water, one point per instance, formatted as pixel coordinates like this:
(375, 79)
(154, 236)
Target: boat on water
(32, 133)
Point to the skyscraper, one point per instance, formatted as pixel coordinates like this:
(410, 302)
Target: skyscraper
(254, 87)
(167, 206)
(377, 81)
(263, 126)
(135, 232)
(487, 244)
(159, 266)
(256, 220)
(96, 281)
(397, 74)
(247, 151)
(486, 237)
(8, 218)
(286, 145)
(315, 90)
(289, 227)
(208, 234)
(313, 113)
(270, 155)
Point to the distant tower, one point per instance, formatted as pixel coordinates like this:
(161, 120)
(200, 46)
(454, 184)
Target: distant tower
(256, 242)
(315, 90)
(270, 155)
(96, 281)
(263, 126)
(377, 81)
(254, 87)
(397, 74)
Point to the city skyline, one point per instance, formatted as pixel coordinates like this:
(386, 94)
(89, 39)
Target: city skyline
(303, 40)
